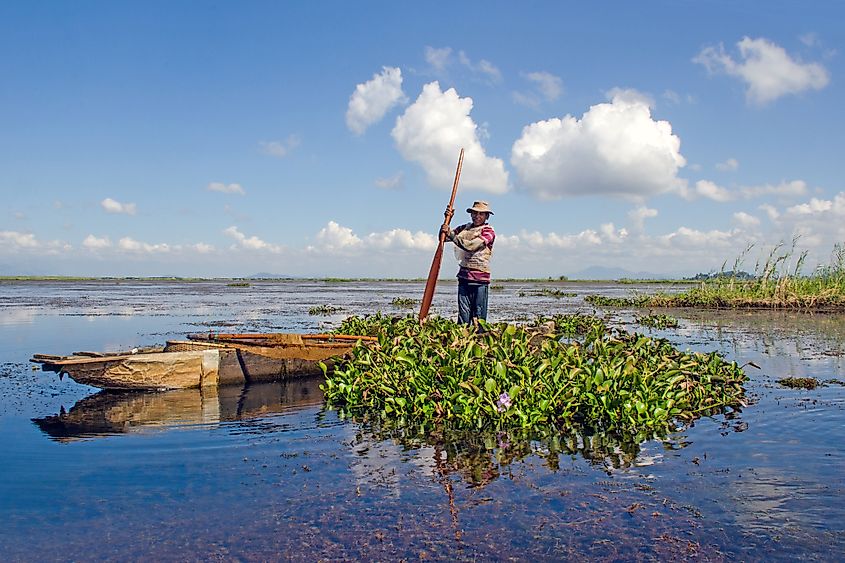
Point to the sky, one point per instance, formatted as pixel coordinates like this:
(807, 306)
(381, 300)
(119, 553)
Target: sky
(320, 139)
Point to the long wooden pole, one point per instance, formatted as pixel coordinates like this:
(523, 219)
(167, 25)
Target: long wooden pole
(438, 254)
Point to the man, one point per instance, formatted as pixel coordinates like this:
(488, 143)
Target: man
(473, 248)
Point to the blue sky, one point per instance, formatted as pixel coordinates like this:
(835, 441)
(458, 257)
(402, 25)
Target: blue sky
(320, 138)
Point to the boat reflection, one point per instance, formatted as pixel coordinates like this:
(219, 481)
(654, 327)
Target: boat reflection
(109, 413)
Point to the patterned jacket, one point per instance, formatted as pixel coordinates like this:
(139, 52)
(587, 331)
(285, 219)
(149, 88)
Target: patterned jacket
(473, 248)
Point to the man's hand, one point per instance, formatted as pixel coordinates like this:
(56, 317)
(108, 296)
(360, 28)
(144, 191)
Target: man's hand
(448, 214)
(447, 232)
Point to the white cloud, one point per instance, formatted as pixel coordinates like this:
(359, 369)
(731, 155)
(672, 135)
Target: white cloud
(202, 248)
(17, 240)
(687, 238)
(94, 243)
(548, 87)
(279, 149)
(771, 211)
(337, 239)
(226, 188)
(639, 214)
(250, 243)
(401, 239)
(745, 220)
(813, 207)
(131, 245)
(615, 149)
(729, 165)
(438, 59)
(373, 99)
(484, 68)
(710, 190)
(766, 68)
(391, 182)
(334, 237)
(434, 128)
(113, 206)
(784, 189)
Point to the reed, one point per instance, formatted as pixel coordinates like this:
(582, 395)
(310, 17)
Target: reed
(777, 283)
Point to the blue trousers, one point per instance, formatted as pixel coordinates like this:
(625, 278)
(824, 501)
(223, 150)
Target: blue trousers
(472, 301)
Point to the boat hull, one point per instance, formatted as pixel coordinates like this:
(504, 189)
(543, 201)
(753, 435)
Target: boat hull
(191, 363)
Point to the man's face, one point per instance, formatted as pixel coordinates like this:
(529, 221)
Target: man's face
(478, 217)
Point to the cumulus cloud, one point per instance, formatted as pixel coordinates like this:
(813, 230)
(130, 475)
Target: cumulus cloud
(729, 165)
(547, 87)
(639, 214)
(337, 239)
(17, 240)
(226, 188)
(202, 248)
(710, 190)
(745, 220)
(279, 149)
(391, 182)
(432, 130)
(131, 245)
(373, 99)
(250, 243)
(768, 71)
(687, 238)
(616, 149)
(113, 206)
(95, 243)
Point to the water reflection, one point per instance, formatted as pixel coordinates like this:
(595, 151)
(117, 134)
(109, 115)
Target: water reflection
(109, 413)
(478, 457)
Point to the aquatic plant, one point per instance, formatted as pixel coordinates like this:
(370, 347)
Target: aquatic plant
(323, 310)
(404, 302)
(800, 382)
(658, 321)
(506, 376)
(605, 301)
(237, 284)
(777, 283)
(549, 292)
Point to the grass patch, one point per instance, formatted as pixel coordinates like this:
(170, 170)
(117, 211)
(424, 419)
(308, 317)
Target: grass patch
(605, 301)
(777, 283)
(556, 373)
(238, 284)
(658, 321)
(557, 293)
(404, 302)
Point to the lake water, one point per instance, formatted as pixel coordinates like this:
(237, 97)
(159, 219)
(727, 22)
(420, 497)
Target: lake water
(265, 472)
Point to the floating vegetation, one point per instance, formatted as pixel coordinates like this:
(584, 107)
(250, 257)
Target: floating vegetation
(658, 321)
(550, 292)
(497, 287)
(800, 382)
(404, 302)
(532, 377)
(605, 301)
(238, 284)
(323, 310)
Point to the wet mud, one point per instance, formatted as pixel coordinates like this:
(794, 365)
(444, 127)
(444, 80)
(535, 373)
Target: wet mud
(267, 472)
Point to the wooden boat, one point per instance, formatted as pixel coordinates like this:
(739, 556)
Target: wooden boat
(205, 360)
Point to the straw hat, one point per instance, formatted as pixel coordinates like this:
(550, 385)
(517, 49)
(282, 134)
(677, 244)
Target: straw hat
(481, 207)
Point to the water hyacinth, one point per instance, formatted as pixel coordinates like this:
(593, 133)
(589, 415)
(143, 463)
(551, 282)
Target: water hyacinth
(561, 371)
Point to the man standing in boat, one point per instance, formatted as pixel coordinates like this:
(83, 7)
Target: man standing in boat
(473, 248)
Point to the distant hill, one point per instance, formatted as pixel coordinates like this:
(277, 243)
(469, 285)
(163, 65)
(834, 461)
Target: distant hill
(608, 273)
